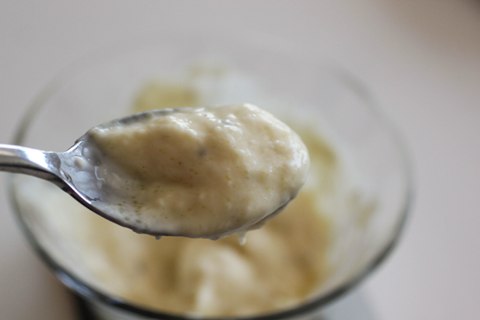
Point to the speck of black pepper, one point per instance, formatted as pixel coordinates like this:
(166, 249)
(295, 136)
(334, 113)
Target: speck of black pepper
(202, 152)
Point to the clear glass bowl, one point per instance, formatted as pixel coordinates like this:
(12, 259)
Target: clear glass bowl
(102, 86)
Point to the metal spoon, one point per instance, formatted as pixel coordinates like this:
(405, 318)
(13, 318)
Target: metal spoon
(80, 171)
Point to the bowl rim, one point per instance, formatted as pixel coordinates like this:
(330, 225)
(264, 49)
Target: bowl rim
(90, 293)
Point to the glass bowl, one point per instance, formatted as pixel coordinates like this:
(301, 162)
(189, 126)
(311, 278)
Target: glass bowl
(296, 85)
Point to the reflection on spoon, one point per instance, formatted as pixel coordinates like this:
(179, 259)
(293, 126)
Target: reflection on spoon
(195, 172)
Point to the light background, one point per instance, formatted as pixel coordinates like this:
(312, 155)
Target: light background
(420, 58)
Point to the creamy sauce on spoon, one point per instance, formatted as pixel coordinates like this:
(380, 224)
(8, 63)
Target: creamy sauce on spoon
(205, 172)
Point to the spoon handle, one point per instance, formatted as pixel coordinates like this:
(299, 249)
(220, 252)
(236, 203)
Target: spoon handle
(33, 162)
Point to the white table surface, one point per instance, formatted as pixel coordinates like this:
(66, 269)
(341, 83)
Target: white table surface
(421, 59)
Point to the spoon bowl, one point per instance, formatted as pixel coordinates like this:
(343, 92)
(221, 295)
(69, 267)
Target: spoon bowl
(87, 173)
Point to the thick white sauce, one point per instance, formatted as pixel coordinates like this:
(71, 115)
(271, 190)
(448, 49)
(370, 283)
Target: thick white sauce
(206, 172)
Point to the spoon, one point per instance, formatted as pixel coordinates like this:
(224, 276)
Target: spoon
(83, 173)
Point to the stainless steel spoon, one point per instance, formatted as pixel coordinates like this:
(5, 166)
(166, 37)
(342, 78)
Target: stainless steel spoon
(80, 171)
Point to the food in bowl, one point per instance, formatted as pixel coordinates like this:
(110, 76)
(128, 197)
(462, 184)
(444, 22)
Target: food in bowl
(281, 265)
